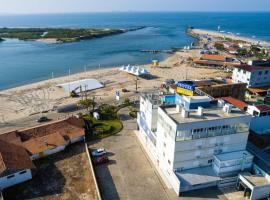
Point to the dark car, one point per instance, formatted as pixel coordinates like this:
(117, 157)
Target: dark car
(100, 160)
(43, 119)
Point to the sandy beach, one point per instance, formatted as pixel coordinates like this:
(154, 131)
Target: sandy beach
(231, 36)
(48, 40)
(34, 98)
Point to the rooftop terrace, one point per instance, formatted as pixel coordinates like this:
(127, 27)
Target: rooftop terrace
(212, 113)
(255, 180)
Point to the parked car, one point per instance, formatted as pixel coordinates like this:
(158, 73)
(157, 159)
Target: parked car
(99, 152)
(100, 160)
(42, 119)
(124, 90)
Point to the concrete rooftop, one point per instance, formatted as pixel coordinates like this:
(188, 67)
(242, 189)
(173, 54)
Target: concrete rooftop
(200, 175)
(212, 113)
(255, 180)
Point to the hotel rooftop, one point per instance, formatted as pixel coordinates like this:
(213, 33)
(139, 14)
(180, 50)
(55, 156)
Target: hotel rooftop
(211, 113)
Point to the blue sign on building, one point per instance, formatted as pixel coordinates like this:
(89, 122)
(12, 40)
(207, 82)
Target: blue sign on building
(186, 85)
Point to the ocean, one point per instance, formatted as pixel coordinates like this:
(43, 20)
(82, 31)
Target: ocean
(23, 62)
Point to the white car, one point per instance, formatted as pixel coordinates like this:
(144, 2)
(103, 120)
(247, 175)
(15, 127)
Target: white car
(99, 152)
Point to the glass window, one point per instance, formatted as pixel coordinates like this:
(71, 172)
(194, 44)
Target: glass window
(11, 176)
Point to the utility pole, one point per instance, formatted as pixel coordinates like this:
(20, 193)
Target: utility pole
(69, 79)
(99, 71)
(85, 92)
(186, 73)
(136, 84)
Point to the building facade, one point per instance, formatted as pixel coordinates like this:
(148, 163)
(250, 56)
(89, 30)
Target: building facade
(191, 135)
(253, 76)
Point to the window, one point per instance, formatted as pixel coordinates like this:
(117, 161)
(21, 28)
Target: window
(164, 144)
(260, 73)
(266, 72)
(210, 161)
(11, 176)
(169, 162)
(23, 172)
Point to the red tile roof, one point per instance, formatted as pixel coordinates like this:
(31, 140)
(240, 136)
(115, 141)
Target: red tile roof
(263, 107)
(259, 140)
(259, 89)
(251, 68)
(213, 57)
(47, 142)
(237, 103)
(13, 158)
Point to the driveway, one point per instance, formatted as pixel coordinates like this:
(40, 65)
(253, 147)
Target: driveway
(129, 174)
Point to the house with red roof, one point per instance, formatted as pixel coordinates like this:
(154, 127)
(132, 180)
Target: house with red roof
(15, 165)
(18, 148)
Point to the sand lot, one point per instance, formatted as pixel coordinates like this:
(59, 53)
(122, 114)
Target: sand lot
(62, 176)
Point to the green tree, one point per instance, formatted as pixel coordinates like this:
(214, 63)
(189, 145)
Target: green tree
(88, 103)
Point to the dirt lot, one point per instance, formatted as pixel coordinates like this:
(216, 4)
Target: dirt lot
(65, 175)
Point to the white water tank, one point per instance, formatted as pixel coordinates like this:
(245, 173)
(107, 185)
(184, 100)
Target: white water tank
(221, 103)
(227, 108)
(184, 113)
(178, 108)
(200, 111)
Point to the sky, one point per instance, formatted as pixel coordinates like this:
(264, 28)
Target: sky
(66, 6)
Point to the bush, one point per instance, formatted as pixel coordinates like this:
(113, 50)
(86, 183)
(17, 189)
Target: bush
(108, 112)
(102, 128)
(219, 47)
(126, 101)
(133, 114)
(73, 94)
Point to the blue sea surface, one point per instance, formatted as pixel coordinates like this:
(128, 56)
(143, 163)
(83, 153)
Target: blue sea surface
(23, 62)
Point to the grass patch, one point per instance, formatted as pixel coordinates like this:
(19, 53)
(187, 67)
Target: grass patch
(102, 128)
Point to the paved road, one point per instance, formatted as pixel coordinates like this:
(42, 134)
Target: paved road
(30, 121)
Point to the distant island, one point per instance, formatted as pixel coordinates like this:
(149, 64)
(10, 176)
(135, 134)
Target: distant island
(59, 35)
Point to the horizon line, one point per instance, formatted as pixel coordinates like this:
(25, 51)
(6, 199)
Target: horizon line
(172, 11)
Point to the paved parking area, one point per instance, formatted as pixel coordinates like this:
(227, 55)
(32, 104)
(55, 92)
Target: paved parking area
(130, 174)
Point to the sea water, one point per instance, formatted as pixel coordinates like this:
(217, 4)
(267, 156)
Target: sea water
(23, 62)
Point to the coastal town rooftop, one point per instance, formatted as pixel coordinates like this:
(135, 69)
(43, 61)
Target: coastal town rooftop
(211, 113)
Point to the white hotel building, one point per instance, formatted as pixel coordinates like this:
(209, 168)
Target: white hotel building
(254, 76)
(195, 147)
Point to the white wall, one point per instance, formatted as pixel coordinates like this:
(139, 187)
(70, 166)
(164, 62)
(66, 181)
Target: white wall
(48, 152)
(260, 192)
(77, 139)
(256, 78)
(195, 153)
(19, 177)
(240, 77)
